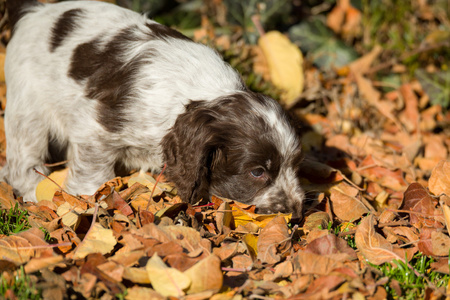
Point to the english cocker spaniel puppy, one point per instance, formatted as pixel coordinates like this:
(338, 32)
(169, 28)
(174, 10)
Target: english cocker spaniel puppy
(107, 86)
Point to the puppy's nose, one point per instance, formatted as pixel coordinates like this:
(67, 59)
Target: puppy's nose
(273, 209)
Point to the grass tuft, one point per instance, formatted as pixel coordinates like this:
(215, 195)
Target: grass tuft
(13, 220)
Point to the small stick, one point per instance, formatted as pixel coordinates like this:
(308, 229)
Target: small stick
(154, 187)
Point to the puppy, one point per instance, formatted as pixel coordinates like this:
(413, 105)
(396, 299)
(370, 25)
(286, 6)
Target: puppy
(110, 86)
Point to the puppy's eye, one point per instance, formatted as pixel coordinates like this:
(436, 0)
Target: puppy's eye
(257, 173)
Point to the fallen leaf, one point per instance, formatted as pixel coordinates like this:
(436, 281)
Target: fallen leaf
(285, 62)
(274, 241)
(317, 220)
(136, 275)
(243, 216)
(224, 216)
(417, 199)
(21, 247)
(375, 248)
(70, 216)
(312, 263)
(97, 240)
(143, 293)
(47, 188)
(345, 204)
(2, 63)
(206, 275)
(146, 180)
(439, 181)
(6, 196)
(169, 282)
(381, 175)
(330, 245)
(37, 264)
(440, 243)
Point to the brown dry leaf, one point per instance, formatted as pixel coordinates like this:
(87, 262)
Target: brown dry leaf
(2, 63)
(425, 246)
(7, 199)
(441, 265)
(284, 269)
(47, 188)
(187, 237)
(206, 275)
(169, 282)
(114, 201)
(227, 250)
(417, 199)
(435, 151)
(446, 212)
(97, 240)
(274, 241)
(373, 97)
(344, 18)
(316, 220)
(242, 215)
(146, 180)
(440, 243)
(439, 181)
(372, 245)
(70, 216)
(345, 204)
(410, 116)
(381, 175)
(224, 216)
(37, 264)
(312, 263)
(143, 293)
(362, 65)
(285, 62)
(332, 246)
(336, 17)
(136, 275)
(23, 246)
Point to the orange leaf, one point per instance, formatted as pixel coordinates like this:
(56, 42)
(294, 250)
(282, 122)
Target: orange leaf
(439, 181)
(274, 241)
(372, 245)
(345, 204)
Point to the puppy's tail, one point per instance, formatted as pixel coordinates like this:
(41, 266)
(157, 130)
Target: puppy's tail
(17, 8)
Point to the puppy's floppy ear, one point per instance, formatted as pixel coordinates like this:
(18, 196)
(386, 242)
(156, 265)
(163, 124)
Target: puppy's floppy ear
(189, 149)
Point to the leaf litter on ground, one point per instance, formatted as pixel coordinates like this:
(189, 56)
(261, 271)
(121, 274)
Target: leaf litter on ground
(376, 176)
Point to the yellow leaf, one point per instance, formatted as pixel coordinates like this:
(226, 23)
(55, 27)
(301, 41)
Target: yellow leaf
(285, 62)
(206, 275)
(166, 281)
(70, 216)
(2, 66)
(242, 217)
(251, 241)
(98, 239)
(148, 181)
(46, 188)
(446, 210)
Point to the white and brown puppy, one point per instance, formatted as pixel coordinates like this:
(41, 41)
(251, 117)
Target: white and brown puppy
(111, 86)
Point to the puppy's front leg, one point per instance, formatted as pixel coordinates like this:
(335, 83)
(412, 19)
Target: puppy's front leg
(27, 150)
(90, 165)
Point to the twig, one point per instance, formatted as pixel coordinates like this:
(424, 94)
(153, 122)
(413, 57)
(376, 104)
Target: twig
(243, 270)
(45, 246)
(94, 217)
(56, 164)
(62, 190)
(154, 187)
(257, 22)
(42, 174)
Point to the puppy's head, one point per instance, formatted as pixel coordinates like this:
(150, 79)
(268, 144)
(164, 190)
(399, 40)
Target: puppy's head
(239, 146)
